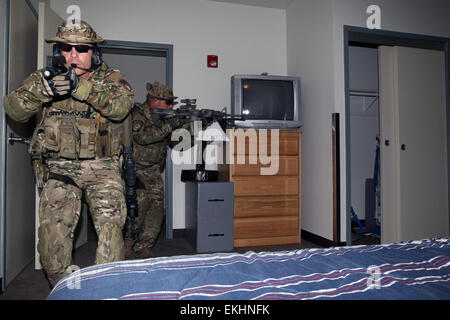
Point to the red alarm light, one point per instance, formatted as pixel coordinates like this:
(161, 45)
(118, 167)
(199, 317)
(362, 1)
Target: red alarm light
(213, 61)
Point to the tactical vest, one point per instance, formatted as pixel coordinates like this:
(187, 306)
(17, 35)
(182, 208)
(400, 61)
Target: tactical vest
(71, 129)
(147, 156)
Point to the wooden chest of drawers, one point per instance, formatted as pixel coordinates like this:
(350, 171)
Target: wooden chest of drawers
(267, 208)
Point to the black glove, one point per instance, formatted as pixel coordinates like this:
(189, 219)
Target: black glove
(64, 83)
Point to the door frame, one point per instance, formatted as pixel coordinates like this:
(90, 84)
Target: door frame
(388, 38)
(166, 49)
(4, 47)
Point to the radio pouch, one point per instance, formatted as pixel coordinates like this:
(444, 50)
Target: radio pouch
(87, 138)
(117, 137)
(103, 138)
(69, 138)
(51, 134)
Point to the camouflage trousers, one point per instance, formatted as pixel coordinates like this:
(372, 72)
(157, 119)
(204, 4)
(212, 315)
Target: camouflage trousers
(150, 209)
(59, 211)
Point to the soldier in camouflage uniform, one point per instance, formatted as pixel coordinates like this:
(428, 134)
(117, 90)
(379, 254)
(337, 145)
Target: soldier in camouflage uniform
(79, 138)
(151, 136)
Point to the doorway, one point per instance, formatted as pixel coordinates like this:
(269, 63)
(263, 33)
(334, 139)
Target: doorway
(140, 63)
(376, 38)
(364, 139)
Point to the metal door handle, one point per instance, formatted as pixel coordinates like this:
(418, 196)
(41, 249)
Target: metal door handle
(13, 139)
(403, 147)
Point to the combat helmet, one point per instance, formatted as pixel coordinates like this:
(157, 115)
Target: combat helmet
(76, 32)
(160, 91)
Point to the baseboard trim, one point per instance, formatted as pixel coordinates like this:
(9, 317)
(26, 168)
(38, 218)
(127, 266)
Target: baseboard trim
(180, 233)
(321, 241)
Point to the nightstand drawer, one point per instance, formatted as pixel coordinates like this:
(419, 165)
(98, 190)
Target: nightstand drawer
(266, 185)
(247, 228)
(266, 206)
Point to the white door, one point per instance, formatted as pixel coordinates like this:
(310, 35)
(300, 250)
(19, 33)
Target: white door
(3, 37)
(414, 186)
(20, 197)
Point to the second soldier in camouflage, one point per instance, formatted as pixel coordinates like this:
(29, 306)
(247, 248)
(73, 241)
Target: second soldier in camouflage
(151, 136)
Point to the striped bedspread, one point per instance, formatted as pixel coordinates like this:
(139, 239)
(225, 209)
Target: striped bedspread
(406, 270)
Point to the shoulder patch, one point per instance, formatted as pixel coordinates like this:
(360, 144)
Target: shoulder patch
(125, 83)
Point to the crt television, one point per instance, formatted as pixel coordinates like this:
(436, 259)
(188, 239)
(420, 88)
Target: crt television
(266, 101)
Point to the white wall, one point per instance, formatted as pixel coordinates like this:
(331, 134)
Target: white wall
(310, 47)
(246, 39)
(316, 53)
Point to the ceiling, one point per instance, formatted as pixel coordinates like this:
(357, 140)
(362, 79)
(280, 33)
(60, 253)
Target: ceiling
(276, 4)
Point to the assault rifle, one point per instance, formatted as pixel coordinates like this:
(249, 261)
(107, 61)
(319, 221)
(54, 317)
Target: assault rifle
(188, 110)
(129, 177)
(206, 116)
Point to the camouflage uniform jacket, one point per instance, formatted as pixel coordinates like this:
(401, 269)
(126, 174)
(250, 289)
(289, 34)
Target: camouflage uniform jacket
(96, 104)
(151, 137)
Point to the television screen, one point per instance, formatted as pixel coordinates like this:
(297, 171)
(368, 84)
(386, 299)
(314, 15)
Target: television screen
(267, 99)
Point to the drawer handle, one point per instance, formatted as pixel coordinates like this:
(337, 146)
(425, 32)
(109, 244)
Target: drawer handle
(216, 235)
(216, 200)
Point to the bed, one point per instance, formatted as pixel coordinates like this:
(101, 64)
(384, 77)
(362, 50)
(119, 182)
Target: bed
(405, 270)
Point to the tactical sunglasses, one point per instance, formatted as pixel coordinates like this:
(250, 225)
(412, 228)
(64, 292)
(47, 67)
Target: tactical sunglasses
(168, 102)
(81, 48)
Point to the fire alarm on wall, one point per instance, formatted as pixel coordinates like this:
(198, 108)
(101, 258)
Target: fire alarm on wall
(213, 61)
